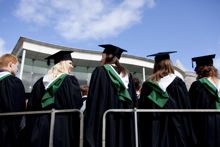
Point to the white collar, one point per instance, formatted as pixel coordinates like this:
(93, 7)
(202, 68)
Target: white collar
(166, 81)
(4, 73)
(124, 79)
(217, 85)
(47, 81)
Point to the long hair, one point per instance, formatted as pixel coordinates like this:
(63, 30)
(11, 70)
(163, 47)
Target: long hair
(206, 71)
(6, 59)
(161, 69)
(58, 69)
(111, 59)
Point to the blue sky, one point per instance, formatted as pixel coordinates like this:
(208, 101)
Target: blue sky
(143, 27)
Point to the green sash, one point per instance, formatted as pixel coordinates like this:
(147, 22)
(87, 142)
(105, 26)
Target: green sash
(158, 96)
(212, 89)
(4, 76)
(48, 97)
(122, 92)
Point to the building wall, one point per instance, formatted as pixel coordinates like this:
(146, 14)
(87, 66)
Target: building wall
(34, 65)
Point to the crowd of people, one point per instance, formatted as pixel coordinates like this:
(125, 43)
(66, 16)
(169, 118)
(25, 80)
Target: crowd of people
(111, 86)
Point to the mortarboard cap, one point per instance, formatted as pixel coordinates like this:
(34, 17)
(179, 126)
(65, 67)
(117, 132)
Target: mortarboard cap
(203, 60)
(59, 56)
(161, 56)
(111, 49)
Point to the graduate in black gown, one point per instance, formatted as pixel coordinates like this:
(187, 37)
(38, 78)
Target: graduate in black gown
(164, 90)
(84, 91)
(205, 94)
(12, 99)
(111, 87)
(56, 90)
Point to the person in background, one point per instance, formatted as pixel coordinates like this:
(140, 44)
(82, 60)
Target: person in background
(111, 87)
(164, 90)
(137, 85)
(56, 90)
(205, 94)
(84, 91)
(12, 99)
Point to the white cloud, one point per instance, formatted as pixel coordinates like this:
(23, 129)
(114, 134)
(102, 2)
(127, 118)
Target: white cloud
(83, 19)
(36, 11)
(151, 3)
(2, 46)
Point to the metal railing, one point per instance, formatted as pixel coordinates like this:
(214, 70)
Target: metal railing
(135, 111)
(52, 120)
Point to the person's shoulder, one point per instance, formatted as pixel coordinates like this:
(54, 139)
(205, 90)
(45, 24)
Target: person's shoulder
(70, 77)
(99, 69)
(178, 80)
(195, 83)
(145, 83)
(14, 78)
(39, 82)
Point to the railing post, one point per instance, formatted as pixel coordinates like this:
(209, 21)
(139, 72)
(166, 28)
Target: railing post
(136, 127)
(104, 128)
(81, 129)
(52, 123)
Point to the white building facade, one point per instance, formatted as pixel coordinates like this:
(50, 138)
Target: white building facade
(32, 54)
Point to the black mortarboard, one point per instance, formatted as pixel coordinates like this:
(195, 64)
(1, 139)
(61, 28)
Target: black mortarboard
(114, 50)
(59, 56)
(161, 56)
(203, 60)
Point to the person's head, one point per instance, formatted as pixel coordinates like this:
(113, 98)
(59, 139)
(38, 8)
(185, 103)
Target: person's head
(111, 55)
(63, 62)
(162, 65)
(204, 66)
(9, 63)
(64, 66)
(84, 90)
(137, 83)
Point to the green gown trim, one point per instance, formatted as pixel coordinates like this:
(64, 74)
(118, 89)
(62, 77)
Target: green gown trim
(122, 91)
(212, 89)
(158, 96)
(48, 97)
(4, 76)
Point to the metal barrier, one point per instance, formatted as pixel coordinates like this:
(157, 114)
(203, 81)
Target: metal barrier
(135, 111)
(52, 121)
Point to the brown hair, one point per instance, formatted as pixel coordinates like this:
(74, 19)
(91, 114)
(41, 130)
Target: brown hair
(137, 83)
(7, 58)
(206, 71)
(161, 69)
(84, 89)
(111, 59)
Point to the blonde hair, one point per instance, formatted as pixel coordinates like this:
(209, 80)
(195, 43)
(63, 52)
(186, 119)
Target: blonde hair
(162, 69)
(57, 69)
(6, 59)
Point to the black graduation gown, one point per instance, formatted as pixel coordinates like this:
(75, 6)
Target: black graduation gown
(207, 125)
(103, 96)
(66, 130)
(12, 99)
(166, 129)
